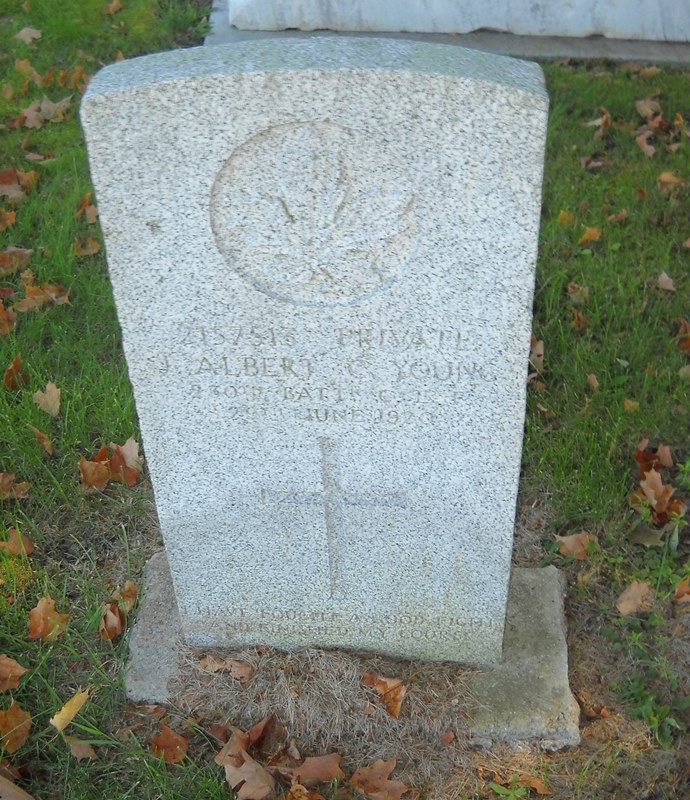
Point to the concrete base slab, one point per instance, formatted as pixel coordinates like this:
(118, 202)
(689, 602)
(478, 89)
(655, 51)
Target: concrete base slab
(525, 699)
(531, 47)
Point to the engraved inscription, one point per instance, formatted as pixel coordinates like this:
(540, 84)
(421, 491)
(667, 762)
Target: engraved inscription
(314, 213)
(333, 498)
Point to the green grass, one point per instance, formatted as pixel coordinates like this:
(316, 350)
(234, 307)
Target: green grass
(577, 458)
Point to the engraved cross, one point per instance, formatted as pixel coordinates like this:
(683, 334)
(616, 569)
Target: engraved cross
(334, 500)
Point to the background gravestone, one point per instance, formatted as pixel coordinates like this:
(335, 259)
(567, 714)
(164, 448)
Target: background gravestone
(322, 255)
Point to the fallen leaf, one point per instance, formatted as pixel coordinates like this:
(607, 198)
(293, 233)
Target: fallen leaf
(89, 248)
(667, 182)
(170, 745)
(684, 335)
(590, 235)
(240, 670)
(642, 141)
(649, 537)
(647, 107)
(127, 596)
(577, 294)
(49, 401)
(45, 622)
(592, 711)
(38, 296)
(682, 591)
(15, 377)
(248, 778)
(94, 474)
(592, 380)
(10, 187)
(9, 791)
(447, 738)
(536, 356)
(17, 544)
(594, 163)
(9, 490)
(527, 781)
(619, 216)
(665, 282)
(70, 710)
(113, 8)
(112, 622)
(319, 769)
(27, 35)
(373, 781)
(8, 319)
(15, 724)
(565, 217)
(10, 673)
(634, 598)
(652, 457)
(580, 321)
(80, 750)
(258, 733)
(577, 545)
(630, 405)
(391, 690)
(299, 792)
(126, 463)
(11, 258)
(7, 218)
(43, 439)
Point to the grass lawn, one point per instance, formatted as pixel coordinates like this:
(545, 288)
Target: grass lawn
(615, 369)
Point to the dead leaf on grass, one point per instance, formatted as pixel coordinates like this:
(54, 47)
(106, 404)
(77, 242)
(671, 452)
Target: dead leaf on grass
(45, 622)
(391, 691)
(665, 282)
(319, 769)
(577, 294)
(28, 35)
(9, 791)
(8, 319)
(565, 218)
(43, 439)
(127, 596)
(49, 401)
(592, 380)
(630, 406)
(373, 781)
(248, 778)
(636, 597)
(590, 235)
(89, 248)
(682, 592)
(17, 544)
(10, 490)
(619, 216)
(15, 724)
(80, 750)
(15, 377)
(577, 545)
(112, 622)
(240, 670)
(70, 710)
(169, 745)
(10, 673)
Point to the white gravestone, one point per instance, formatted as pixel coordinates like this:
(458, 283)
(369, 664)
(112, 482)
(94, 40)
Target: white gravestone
(322, 254)
(659, 20)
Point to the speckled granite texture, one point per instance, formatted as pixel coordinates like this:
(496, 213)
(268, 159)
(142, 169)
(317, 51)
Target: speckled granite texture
(322, 255)
(645, 19)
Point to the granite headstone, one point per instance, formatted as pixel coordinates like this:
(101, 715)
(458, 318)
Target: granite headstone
(322, 254)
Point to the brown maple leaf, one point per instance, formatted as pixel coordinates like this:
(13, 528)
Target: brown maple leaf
(319, 769)
(45, 622)
(373, 781)
(89, 248)
(15, 724)
(79, 749)
(9, 490)
(27, 35)
(8, 319)
(577, 545)
(7, 218)
(391, 691)
(590, 235)
(682, 592)
(15, 377)
(112, 622)
(652, 457)
(49, 401)
(127, 596)
(43, 439)
(247, 778)
(169, 745)
(636, 597)
(10, 673)
(69, 710)
(17, 544)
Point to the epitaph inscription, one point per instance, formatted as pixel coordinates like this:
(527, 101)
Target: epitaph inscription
(300, 212)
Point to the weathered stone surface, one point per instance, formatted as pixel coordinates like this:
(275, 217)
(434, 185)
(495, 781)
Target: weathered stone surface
(524, 699)
(620, 19)
(322, 255)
